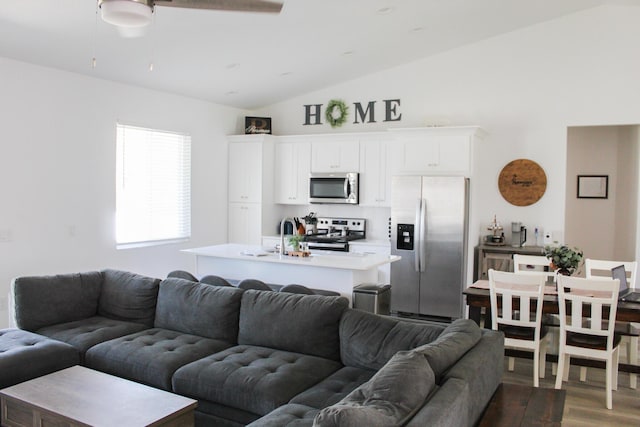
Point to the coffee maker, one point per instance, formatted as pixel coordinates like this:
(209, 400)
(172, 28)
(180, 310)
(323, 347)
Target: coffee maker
(497, 235)
(518, 234)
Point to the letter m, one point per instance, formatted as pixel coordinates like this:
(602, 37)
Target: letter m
(362, 114)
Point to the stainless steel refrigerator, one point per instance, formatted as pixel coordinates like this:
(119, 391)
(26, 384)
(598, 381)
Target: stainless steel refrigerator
(429, 228)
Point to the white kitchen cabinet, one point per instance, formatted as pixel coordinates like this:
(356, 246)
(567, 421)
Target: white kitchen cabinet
(251, 208)
(382, 248)
(245, 223)
(245, 172)
(292, 168)
(375, 179)
(432, 151)
(335, 154)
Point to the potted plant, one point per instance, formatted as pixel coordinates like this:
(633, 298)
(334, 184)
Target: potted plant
(563, 258)
(294, 241)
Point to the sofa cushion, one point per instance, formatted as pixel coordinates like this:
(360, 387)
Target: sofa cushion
(394, 394)
(254, 379)
(152, 356)
(84, 334)
(457, 338)
(334, 388)
(47, 300)
(305, 324)
(368, 341)
(128, 296)
(25, 355)
(290, 415)
(199, 309)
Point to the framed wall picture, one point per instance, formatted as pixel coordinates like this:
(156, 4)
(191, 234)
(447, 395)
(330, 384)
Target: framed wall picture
(593, 186)
(257, 125)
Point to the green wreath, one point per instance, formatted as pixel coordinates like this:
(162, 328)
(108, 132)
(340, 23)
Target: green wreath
(336, 120)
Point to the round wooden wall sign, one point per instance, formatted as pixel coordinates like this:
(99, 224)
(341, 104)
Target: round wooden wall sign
(522, 182)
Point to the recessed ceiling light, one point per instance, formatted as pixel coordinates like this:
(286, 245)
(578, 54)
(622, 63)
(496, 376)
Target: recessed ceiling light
(286, 73)
(416, 30)
(348, 53)
(232, 66)
(384, 10)
(232, 92)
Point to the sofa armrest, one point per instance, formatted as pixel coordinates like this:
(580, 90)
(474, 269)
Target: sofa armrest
(447, 407)
(481, 368)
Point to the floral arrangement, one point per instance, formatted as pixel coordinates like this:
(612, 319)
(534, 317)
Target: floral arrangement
(563, 258)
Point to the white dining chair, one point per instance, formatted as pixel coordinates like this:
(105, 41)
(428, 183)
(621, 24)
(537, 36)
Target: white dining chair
(591, 336)
(533, 264)
(540, 265)
(512, 298)
(629, 331)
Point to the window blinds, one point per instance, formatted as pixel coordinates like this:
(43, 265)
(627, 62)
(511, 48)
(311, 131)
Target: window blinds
(153, 188)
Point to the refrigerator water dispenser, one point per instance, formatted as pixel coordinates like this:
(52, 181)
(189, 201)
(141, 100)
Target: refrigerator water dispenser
(405, 237)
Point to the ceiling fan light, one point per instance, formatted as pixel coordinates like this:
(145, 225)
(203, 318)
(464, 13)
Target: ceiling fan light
(126, 13)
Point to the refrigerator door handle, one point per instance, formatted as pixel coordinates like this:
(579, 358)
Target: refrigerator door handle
(417, 232)
(423, 234)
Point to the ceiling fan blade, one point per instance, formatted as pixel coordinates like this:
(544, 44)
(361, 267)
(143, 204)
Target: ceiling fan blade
(262, 6)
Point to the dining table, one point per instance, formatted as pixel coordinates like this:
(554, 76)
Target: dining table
(479, 302)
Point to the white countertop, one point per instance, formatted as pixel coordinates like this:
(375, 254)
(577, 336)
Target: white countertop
(323, 259)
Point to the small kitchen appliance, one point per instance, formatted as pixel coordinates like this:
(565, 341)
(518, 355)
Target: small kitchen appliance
(496, 237)
(518, 234)
(334, 234)
(338, 188)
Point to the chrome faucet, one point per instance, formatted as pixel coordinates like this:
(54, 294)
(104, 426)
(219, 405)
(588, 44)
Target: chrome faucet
(285, 219)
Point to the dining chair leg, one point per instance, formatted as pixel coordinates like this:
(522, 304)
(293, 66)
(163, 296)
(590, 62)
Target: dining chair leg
(614, 372)
(560, 371)
(583, 373)
(632, 352)
(536, 367)
(554, 369)
(543, 356)
(609, 381)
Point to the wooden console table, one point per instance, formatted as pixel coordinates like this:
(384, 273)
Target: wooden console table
(515, 405)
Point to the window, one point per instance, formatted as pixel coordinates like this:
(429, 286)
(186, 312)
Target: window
(153, 188)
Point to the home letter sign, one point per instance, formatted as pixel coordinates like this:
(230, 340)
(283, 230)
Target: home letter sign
(362, 114)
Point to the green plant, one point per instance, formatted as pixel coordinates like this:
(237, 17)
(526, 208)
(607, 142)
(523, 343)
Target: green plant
(294, 240)
(564, 258)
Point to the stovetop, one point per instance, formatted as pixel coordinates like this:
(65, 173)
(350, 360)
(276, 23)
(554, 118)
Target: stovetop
(338, 230)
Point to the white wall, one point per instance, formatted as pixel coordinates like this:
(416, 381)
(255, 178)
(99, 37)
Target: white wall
(525, 88)
(57, 172)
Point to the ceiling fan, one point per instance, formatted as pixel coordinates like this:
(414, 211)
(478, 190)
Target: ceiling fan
(137, 13)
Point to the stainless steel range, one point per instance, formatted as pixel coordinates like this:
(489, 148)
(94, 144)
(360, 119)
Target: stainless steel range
(334, 234)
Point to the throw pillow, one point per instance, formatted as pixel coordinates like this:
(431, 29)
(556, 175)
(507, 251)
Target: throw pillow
(391, 397)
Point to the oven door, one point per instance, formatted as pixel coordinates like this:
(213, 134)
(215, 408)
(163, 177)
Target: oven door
(339, 188)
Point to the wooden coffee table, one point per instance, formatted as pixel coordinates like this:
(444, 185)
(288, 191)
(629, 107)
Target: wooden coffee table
(78, 396)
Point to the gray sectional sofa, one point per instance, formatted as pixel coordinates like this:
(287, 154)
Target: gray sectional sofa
(263, 358)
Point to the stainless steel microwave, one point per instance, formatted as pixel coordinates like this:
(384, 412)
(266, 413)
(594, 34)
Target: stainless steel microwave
(340, 188)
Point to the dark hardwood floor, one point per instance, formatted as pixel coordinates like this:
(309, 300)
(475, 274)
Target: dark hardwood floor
(585, 402)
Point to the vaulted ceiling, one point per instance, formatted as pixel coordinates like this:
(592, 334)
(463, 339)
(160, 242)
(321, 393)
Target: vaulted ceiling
(249, 60)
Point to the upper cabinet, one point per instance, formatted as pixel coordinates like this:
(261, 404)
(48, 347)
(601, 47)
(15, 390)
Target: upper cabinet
(331, 153)
(293, 165)
(374, 171)
(438, 150)
(245, 172)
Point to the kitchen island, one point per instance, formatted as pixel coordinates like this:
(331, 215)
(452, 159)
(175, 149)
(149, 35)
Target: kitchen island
(332, 271)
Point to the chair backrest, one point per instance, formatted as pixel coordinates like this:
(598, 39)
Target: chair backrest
(602, 268)
(297, 289)
(533, 264)
(211, 279)
(591, 310)
(512, 296)
(181, 274)
(254, 284)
